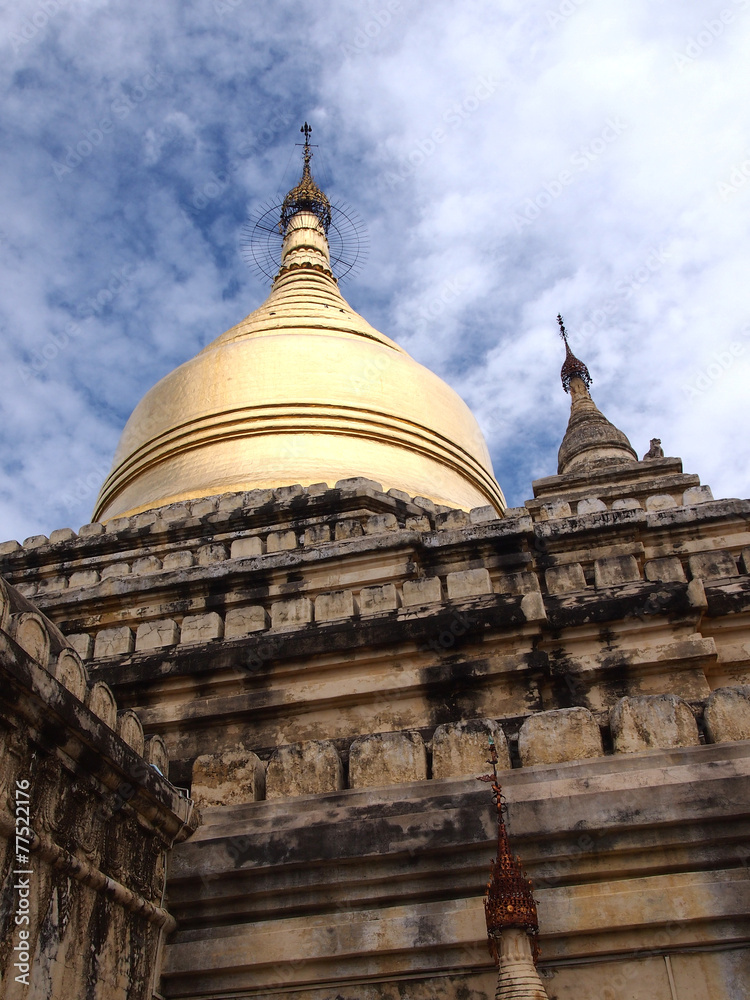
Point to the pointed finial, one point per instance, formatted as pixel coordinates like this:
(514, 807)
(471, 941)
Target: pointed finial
(306, 196)
(572, 367)
(509, 899)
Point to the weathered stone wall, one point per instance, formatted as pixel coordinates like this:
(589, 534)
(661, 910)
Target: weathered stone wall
(82, 889)
(326, 665)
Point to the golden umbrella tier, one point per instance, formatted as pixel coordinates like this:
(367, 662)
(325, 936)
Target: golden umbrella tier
(303, 391)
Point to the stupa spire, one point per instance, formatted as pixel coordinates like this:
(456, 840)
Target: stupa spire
(510, 913)
(590, 439)
(306, 196)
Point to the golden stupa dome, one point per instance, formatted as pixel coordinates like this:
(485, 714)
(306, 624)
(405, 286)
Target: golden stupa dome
(303, 391)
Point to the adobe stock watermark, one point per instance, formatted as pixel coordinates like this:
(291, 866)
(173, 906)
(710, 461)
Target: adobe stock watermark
(455, 116)
(85, 486)
(21, 876)
(711, 29)
(40, 358)
(121, 108)
(216, 184)
(563, 11)
(33, 25)
(371, 29)
(721, 362)
(580, 161)
(739, 175)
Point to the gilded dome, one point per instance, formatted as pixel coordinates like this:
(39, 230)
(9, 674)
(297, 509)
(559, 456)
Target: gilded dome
(303, 390)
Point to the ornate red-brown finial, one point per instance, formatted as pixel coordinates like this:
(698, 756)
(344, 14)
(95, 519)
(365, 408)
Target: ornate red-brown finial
(572, 367)
(509, 899)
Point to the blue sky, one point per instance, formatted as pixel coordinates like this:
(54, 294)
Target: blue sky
(511, 160)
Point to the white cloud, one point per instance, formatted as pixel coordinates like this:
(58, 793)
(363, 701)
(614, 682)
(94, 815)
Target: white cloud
(443, 126)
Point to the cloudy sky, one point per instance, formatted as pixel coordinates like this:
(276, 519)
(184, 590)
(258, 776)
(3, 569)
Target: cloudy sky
(511, 160)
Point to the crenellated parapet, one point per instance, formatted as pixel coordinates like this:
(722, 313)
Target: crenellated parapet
(97, 819)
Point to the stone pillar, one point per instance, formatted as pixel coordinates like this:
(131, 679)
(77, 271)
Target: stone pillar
(517, 978)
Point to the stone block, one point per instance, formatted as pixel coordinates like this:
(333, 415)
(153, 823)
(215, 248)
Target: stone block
(34, 541)
(661, 501)
(713, 565)
(115, 570)
(468, 583)
(728, 714)
(425, 504)
(317, 534)
(230, 778)
(51, 584)
(387, 759)
(130, 730)
(145, 519)
(230, 503)
(101, 702)
(257, 498)
(348, 528)
(745, 561)
(113, 642)
(178, 560)
(516, 583)
(627, 503)
(62, 535)
(590, 505)
(452, 519)
(418, 524)
(615, 571)
(245, 548)
(652, 721)
(148, 564)
(212, 553)
(201, 628)
(289, 614)
(310, 768)
(175, 512)
(532, 607)
(554, 737)
(71, 673)
(379, 523)
(697, 494)
(284, 494)
(83, 578)
(425, 591)
(10, 546)
(665, 570)
(565, 579)
(461, 749)
(116, 525)
(243, 621)
(359, 483)
(155, 635)
(199, 508)
(157, 755)
(315, 489)
(91, 530)
(82, 643)
(337, 604)
(512, 512)
(556, 508)
(373, 600)
(696, 594)
(281, 541)
(482, 515)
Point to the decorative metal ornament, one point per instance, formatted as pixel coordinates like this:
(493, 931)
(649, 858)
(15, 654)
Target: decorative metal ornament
(572, 367)
(509, 899)
(262, 237)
